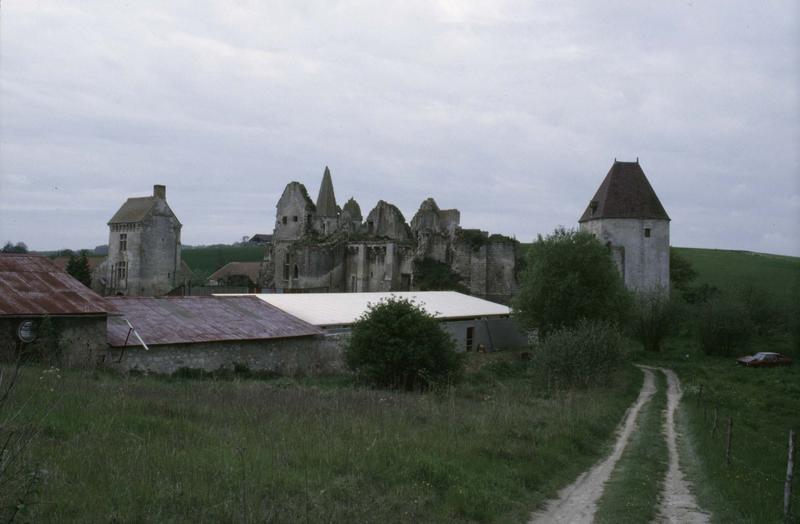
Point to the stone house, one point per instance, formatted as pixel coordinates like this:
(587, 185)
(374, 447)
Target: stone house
(165, 334)
(144, 249)
(322, 247)
(46, 313)
(626, 215)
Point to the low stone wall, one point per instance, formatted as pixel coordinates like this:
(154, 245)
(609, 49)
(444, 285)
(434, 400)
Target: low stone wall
(319, 355)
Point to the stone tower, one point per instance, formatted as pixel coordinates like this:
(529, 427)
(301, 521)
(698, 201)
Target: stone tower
(327, 210)
(626, 215)
(144, 248)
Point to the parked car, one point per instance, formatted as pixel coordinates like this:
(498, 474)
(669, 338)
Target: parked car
(765, 360)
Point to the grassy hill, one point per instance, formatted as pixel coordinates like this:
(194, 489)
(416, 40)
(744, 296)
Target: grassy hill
(731, 270)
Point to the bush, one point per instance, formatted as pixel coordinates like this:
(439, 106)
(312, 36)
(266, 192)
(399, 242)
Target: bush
(723, 326)
(764, 312)
(396, 344)
(569, 276)
(584, 356)
(432, 275)
(655, 317)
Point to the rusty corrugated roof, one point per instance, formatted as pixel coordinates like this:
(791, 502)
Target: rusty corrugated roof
(181, 320)
(33, 285)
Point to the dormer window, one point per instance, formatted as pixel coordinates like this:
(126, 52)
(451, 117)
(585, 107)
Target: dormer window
(647, 232)
(123, 241)
(593, 206)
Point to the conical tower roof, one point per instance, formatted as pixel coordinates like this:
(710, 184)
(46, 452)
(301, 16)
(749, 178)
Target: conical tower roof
(326, 201)
(625, 193)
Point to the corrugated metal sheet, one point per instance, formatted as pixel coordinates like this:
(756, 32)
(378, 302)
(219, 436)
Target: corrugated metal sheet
(33, 285)
(335, 309)
(181, 320)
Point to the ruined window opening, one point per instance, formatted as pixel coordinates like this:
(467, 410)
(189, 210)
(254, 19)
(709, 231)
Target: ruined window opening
(123, 241)
(370, 226)
(286, 267)
(470, 336)
(323, 227)
(296, 271)
(294, 218)
(308, 218)
(647, 232)
(285, 220)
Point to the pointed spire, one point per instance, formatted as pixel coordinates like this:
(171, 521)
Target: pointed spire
(326, 201)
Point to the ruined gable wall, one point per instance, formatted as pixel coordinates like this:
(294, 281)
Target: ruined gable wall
(296, 210)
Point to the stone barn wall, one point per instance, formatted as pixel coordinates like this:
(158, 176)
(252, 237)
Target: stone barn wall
(321, 355)
(79, 341)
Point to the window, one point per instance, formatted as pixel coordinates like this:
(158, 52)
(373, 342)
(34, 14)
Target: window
(122, 274)
(370, 226)
(296, 271)
(647, 232)
(353, 284)
(470, 336)
(294, 218)
(123, 241)
(284, 220)
(286, 267)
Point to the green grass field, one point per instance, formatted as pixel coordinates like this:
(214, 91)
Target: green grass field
(733, 270)
(142, 449)
(205, 260)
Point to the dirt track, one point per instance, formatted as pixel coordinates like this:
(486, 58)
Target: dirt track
(678, 505)
(577, 503)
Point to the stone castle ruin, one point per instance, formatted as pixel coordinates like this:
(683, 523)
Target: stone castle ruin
(322, 247)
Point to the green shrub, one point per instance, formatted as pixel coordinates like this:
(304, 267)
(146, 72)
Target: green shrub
(764, 312)
(723, 326)
(655, 316)
(569, 276)
(397, 344)
(583, 356)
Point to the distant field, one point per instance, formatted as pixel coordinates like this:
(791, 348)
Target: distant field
(779, 275)
(206, 260)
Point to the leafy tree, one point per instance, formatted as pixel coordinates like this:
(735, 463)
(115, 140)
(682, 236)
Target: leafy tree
(397, 344)
(432, 275)
(79, 268)
(19, 247)
(569, 276)
(723, 326)
(681, 272)
(655, 316)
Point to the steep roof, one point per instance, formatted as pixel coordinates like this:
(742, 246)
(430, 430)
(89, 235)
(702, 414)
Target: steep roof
(352, 208)
(181, 320)
(625, 193)
(133, 210)
(326, 201)
(249, 269)
(31, 285)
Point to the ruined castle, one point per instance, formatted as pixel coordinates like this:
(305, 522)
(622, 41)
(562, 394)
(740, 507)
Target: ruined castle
(322, 247)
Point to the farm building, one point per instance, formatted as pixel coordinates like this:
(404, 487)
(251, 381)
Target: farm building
(45, 312)
(237, 274)
(163, 335)
(471, 321)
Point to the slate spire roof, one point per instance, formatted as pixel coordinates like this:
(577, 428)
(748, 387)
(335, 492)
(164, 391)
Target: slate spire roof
(326, 201)
(625, 193)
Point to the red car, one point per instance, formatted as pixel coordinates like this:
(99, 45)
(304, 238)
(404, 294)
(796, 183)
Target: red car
(764, 360)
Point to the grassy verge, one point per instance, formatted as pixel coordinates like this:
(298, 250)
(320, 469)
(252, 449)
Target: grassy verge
(764, 404)
(144, 449)
(632, 493)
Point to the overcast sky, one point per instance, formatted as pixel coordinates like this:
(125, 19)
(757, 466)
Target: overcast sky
(512, 112)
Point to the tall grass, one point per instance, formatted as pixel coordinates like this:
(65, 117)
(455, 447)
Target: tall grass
(145, 449)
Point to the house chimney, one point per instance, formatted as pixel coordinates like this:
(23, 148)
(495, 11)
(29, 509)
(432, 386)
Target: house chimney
(160, 192)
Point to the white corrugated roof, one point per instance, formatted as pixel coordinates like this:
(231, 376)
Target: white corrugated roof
(333, 309)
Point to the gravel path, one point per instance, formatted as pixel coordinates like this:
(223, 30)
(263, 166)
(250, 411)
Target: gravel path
(577, 502)
(678, 505)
